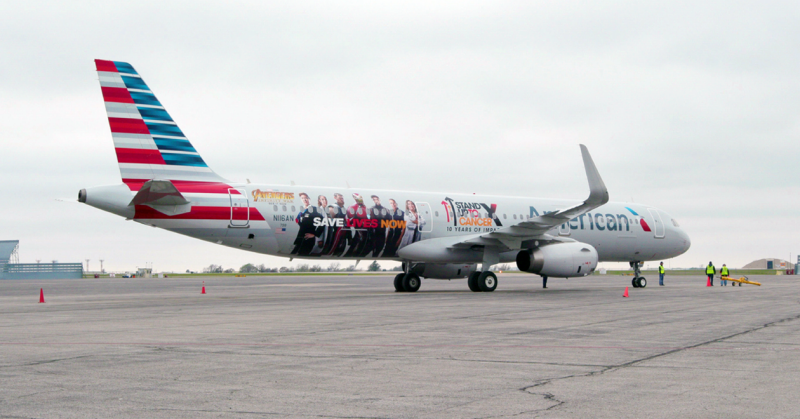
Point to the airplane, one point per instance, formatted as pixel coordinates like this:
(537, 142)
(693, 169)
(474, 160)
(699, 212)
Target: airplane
(167, 184)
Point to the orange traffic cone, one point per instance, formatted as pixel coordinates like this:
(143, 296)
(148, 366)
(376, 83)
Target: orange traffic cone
(708, 284)
(625, 294)
(204, 288)
(41, 295)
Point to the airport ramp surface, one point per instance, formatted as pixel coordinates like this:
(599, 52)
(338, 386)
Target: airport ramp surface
(348, 346)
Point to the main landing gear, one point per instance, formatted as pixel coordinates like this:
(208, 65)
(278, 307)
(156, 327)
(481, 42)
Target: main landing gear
(638, 281)
(407, 282)
(485, 281)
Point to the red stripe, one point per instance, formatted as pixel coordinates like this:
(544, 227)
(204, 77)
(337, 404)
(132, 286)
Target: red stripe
(103, 65)
(127, 125)
(138, 155)
(645, 227)
(116, 94)
(186, 186)
(198, 213)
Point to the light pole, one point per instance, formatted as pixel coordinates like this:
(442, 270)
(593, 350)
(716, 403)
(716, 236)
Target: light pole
(101, 265)
(87, 265)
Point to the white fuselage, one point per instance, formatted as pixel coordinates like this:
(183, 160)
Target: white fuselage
(274, 220)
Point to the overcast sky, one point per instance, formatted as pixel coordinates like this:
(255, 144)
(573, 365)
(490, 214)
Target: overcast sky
(691, 107)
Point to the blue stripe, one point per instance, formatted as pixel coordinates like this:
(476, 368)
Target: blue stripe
(125, 67)
(144, 98)
(164, 129)
(632, 211)
(134, 83)
(183, 160)
(173, 144)
(150, 113)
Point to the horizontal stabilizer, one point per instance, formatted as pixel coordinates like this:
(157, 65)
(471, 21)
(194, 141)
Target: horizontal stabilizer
(158, 192)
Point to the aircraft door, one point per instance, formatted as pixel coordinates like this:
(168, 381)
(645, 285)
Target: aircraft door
(564, 229)
(659, 225)
(424, 209)
(240, 208)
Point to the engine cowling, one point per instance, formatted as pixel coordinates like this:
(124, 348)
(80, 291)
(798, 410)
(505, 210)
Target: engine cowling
(562, 260)
(445, 270)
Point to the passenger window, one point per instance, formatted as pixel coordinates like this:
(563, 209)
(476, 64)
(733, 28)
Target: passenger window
(515, 216)
(293, 210)
(504, 216)
(276, 208)
(284, 208)
(436, 213)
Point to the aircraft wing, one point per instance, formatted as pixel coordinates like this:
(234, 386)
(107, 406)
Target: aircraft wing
(536, 227)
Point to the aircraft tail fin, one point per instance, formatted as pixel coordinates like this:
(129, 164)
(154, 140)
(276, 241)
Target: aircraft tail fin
(148, 143)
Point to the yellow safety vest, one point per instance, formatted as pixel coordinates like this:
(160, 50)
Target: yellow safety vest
(660, 269)
(710, 270)
(724, 271)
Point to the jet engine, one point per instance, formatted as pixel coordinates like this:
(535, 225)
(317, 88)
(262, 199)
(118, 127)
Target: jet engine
(444, 270)
(561, 260)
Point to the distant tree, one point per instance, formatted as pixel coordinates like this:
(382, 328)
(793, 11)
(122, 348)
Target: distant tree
(315, 268)
(397, 268)
(374, 266)
(350, 268)
(262, 268)
(302, 268)
(230, 271)
(284, 269)
(248, 268)
(213, 269)
(333, 267)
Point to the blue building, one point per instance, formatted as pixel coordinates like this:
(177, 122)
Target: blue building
(10, 268)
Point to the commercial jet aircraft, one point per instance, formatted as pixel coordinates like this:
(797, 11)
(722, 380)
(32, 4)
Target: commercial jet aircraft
(166, 184)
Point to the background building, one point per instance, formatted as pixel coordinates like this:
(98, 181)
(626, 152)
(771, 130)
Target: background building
(10, 268)
(769, 263)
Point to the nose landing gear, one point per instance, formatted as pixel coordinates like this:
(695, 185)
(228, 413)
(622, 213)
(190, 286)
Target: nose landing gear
(638, 281)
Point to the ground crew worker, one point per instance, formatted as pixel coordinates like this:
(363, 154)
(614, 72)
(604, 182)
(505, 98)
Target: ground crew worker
(710, 271)
(661, 272)
(723, 272)
(544, 281)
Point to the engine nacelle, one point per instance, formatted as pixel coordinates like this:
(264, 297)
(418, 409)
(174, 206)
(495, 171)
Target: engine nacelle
(561, 260)
(445, 270)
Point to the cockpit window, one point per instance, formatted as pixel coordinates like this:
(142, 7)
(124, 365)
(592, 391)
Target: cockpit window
(675, 223)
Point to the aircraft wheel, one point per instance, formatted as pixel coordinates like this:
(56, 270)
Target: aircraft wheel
(635, 282)
(411, 282)
(472, 281)
(487, 281)
(398, 283)
(642, 282)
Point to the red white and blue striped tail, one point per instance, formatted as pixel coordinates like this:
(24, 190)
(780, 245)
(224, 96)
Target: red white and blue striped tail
(148, 142)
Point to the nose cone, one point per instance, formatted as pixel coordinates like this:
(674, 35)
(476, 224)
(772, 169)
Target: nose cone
(685, 240)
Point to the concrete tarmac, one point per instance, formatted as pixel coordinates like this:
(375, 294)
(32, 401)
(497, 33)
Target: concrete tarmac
(348, 346)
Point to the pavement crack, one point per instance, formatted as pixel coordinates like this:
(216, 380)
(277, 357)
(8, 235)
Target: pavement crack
(617, 367)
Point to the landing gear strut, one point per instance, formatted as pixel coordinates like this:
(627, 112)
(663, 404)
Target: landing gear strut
(638, 280)
(486, 280)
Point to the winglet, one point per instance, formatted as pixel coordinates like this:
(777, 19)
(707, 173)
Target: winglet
(598, 194)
